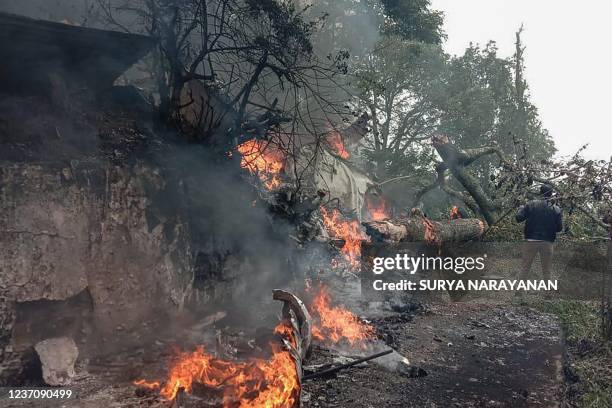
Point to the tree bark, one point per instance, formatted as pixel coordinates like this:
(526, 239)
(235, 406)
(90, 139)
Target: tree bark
(418, 228)
(456, 161)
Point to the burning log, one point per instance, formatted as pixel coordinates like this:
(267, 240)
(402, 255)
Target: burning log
(415, 229)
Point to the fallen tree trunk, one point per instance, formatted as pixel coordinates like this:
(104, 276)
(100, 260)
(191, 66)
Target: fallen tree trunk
(422, 229)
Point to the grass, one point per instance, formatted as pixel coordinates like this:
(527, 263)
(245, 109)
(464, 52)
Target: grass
(579, 319)
(592, 356)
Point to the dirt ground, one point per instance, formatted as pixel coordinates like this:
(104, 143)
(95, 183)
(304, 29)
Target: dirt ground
(474, 353)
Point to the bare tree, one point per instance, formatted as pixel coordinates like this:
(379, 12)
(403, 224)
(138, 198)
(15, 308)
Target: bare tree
(253, 58)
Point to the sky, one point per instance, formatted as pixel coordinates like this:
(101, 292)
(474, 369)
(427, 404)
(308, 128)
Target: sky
(568, 60)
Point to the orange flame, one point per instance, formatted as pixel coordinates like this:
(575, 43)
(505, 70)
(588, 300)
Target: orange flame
(263, 159)
(431, 233)
(256, 383)
(148, 385)
(336, 323)
(455, 214)
(334, 140)
(377, 208)
(347, 230)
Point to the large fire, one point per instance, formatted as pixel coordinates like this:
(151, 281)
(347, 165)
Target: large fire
(377, 208)
(255, 383)
(349, 231)
(336, 323)
(335, 142)
(264, 159)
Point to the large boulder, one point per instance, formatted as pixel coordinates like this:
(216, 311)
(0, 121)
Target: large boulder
(57, 356)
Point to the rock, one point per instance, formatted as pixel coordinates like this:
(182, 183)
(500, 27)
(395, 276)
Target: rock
(57, 356)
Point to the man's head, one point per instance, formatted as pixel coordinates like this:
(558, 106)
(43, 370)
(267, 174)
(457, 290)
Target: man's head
(546, 190)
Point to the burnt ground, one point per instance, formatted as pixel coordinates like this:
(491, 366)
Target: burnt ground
(475, 353)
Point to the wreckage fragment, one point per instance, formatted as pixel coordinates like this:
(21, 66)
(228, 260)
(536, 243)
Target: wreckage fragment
(294, 304)
(36, 53)
(340, 367)
(274, 382)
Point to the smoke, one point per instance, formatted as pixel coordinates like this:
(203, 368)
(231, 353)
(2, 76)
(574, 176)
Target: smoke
(230, 225)
(239, 246)
(74, 11)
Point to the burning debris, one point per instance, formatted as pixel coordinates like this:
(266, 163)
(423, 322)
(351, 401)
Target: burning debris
(349, 231)
(271, 382)
(337, 324)
(377, 208)
(275, 381)
(336, 144)
(263, 159)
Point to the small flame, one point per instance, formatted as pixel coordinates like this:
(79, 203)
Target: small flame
(336, 323)
(377, 208)
(431, 233)
(334, 140)
(256, 383)
(455, 214)
(149, 385)
(349, 231)
(264, 159)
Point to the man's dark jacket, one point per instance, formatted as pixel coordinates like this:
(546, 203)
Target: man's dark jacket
(543, 220)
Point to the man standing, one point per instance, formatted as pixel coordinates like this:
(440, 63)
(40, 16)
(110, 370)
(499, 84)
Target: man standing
(542, 222)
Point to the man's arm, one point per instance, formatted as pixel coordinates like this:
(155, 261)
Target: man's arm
(559, 219)
(522, 213)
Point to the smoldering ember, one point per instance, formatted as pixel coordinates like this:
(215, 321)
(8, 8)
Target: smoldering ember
(194, 195)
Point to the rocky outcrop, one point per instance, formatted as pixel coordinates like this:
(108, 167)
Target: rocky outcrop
(90, 227)
(95, 226)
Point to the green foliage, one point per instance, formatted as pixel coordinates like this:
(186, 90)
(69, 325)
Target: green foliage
(398, 86)
(506, 230)
(598, 393)
(413, 20)
(413, 90)
(482, 108)
(357, 25)
(580, 320)
(288, 32)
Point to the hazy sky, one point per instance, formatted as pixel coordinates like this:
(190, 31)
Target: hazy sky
(568, 60)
